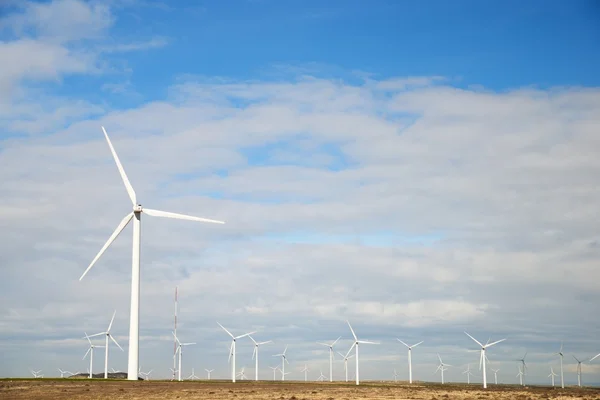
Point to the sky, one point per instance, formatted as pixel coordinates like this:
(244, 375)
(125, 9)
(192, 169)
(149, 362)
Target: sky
(420, 169)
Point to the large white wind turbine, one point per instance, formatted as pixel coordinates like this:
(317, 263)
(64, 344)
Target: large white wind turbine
(410, 358)
(108, 335)
(552, 374)
(136, 216)
(346, 357)
(578, 371)
(561, 355)
(283, 361)
(91, 352)
(355, 345)
(330, 356)
(232, 349)
(255, 355)
(179, 350)
(482, 357)
(442, 367)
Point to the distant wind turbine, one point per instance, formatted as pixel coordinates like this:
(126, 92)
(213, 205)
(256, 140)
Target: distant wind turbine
(208, 371)
(410, 358)
(62, 373)
(495, 375)
(255, 355)
(520, 375)
(355, 345)
(232, 349)
(482, 357)
(524, 368)
(346, 357)
(36, 374)
(396, 375)
(91, 352)
(241, 374)
(192, 376)
(305, 370)
(136, 216)
(146, 375)
(283, 361)
(330, 356)
(442, 367)
(561, 355)
(321, 377)
(180, 351)
(469, 374)
(274, 371)
(578, 371)
(108, 335)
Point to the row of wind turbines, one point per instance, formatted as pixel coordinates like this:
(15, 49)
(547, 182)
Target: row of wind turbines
(133, 349)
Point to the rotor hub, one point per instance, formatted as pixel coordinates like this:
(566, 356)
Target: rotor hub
(137, 208)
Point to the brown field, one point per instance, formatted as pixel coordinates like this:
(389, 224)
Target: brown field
(165, 390)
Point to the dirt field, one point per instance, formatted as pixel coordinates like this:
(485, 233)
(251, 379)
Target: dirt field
(164, 390)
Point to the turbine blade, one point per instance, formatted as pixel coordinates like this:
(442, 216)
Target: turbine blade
(496, 342)
(96, 334)
(245, 334)
(415, 345)
(111, 239)
(336, 340)
(128, 186)
(475, 340)
(481, 359)
(111, 321)
(254, 352)
(367, 342)
(115, 341)
(86, 353)
(166, 214)
(353, 334)
(596, 356)
(229, 333)
(403, 343)
(230, 352)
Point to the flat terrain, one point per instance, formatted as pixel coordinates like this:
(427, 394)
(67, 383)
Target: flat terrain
(165, 390)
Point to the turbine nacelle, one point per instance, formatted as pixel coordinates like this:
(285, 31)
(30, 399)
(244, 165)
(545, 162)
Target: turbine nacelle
(137, 208)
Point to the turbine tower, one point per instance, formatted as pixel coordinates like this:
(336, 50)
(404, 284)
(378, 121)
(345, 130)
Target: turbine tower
(578, 371)
(255, 355)
(482, 357)
(108, 335)
(330, 356)
(305, 370)
(552, 374)
(561, 355)
(346, 357)
(232, 349)
(91, 352)
(355, 345)
(283, 361)
(410, 358)
(495, 375)
(136, 216)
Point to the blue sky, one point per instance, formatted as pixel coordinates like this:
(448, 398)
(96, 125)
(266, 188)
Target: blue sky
(418, 168)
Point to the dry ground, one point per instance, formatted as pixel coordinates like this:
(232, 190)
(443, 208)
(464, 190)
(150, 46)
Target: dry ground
(164, 390)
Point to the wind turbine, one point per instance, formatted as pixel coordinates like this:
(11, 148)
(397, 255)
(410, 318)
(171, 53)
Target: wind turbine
(561, 355)
(321, 377)
(283, 361)
(330, 356)
(192, 376)
(442, 367)
(241, 374)
(482, 357)
(578, 371)
(552, 374)
(495, 375)
(305, 370)
(208, 371)
(469, 374)
(520, 375)
(146, 374)
(395, 376)
(274, 371)
(108, 335)
(179, 350)
(525, 367)
(409, 358)
(355, 345)
(62, 373)
(173, 370)
(346, 357)
(255, 355)
(91, 352)
(136, 216)
(36, 374)
(232, 349)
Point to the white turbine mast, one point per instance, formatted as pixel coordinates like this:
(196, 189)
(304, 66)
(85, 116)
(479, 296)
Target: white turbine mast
(346, 357)
(410, 358)
(495, 375)
(91, 353)
(552, 374)
(330, 356)
(396, 375)
(136, 216)
(442, 367)
(108, 335)
(355, 345)
(561, 355)
(305, 370)
(482, 357)
(175, 340)
(283, 361)
(578, 371)
(255, 355)
(232, 349)
(180, 351)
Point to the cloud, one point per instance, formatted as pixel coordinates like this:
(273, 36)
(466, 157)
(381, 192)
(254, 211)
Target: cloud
(408, 206)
